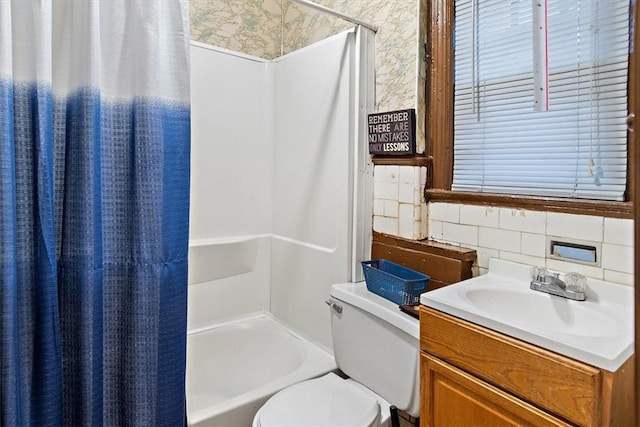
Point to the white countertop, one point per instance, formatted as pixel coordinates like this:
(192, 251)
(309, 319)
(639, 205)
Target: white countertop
(598, 331)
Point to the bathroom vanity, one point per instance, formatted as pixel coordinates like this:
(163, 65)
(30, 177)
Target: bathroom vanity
(484, 370)
(471, 375)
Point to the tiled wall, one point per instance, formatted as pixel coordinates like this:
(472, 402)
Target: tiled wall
(398, 206)
(521, 236)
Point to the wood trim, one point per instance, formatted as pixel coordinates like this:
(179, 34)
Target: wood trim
(439, 122)
(618, 394)
(583, 207)
(439, 111)
(402, 161)
(634, 107)
(633, 103)
(445, 264)
(442, 249)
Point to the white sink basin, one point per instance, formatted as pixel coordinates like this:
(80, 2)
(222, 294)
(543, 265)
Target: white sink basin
(541, 312)
(598, 331)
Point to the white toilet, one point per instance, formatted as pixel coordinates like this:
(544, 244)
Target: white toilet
(376, 345)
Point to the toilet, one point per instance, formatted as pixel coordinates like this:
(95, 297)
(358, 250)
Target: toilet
(377, 347)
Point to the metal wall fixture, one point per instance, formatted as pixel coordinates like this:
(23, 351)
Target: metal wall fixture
(337, 14)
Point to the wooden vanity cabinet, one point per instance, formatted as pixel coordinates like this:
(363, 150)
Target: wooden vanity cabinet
(473, 376)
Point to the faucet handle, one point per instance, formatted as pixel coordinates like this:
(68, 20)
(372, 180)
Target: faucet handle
(575, 281)
(538, 273)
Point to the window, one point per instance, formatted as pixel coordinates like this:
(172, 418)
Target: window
(483, 132)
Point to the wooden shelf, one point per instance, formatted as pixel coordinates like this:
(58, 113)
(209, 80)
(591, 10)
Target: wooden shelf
(417, 160)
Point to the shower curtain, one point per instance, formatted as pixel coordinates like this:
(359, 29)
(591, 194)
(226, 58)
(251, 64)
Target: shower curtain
(94, 196)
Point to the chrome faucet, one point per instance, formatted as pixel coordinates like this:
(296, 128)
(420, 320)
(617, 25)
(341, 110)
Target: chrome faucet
(544, 281)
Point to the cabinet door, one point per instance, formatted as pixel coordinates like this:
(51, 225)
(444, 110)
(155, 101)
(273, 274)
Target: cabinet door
(451, 398)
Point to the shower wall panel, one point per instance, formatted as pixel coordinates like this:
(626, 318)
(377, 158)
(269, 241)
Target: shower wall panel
(313, 155)
(231, 184)
(232, 143)
(273, 178)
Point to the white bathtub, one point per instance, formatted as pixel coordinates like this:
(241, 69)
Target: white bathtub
(234, 367)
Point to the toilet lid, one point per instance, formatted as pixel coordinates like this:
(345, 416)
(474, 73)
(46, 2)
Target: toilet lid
(324, 401)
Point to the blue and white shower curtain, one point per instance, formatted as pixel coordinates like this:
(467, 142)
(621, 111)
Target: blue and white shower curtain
(94, 196)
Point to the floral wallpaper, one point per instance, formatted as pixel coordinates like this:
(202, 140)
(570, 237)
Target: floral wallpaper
(396, 41)
(253, 27)
(271, 28)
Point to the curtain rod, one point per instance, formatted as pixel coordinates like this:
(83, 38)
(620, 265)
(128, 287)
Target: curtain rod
(329, 11)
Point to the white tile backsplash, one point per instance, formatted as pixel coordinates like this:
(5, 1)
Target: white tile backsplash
(523, 220)
(522, 258)
(485, 216)
(618, 231)
(418, 197)
(497, 238)
(518, 235)
(464, 234)
(386, 191)
(583, 227)
(420, 230)
(424, 215)
(378, 207)
(407, 220)
(617, 257)
(447, 212)
(435, 229)
(405, 193)
(389, 174)
(397, 195)
(618, 277)
(484, 255)
(386, 225)
(407, 174)
(391, 208)
(533, 244)
(379, 174)
(408, 212)
(521, 235)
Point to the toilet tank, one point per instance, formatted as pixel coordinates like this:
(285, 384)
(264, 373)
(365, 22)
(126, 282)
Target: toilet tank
(376, 344)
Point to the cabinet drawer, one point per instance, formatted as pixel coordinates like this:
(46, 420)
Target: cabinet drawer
(456, 398)
(558, 384)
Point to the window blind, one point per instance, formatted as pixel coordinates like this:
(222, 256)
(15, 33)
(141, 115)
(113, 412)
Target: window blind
(576, 149)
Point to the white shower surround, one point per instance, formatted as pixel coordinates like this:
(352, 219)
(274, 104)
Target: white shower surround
(278, 213)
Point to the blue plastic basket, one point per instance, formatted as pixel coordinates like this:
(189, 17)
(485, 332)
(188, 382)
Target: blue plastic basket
(394, 282)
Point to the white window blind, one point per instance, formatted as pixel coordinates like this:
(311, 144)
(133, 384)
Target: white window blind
(576, 149)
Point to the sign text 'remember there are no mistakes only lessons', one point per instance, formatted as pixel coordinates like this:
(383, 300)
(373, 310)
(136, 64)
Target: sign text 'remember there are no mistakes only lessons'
(392, 133)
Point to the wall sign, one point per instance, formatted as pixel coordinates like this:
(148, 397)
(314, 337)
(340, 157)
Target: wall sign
(392, 133)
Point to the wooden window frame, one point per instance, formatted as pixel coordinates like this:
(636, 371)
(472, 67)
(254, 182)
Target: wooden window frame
(440, 17)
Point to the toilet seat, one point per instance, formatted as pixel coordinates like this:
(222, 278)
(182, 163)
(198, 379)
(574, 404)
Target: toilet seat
(324, 401)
